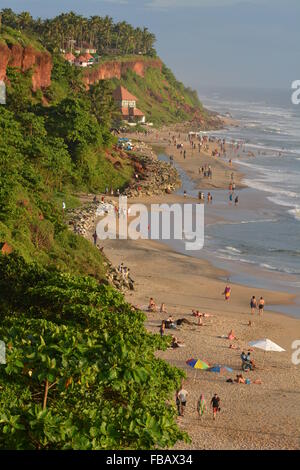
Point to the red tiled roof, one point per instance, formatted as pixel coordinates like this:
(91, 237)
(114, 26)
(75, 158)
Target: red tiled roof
(88, 56)
(69, 56)
(81, 58)
(131, 112)
(121, 94)
(138, 112)
(125, 111)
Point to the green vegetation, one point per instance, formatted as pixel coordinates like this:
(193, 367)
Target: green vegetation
(46, 155)
(81, 371)
(67, 29)
(162, 98)
(11, 36)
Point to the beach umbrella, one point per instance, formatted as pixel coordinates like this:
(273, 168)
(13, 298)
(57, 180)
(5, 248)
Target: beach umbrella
(219, 369)
(266, 345)
(197, 364)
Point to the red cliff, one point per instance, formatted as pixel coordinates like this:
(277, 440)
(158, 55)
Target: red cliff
(116, 69)
(27, 58)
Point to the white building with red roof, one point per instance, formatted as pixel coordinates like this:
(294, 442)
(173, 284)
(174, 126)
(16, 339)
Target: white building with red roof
(127, 105)
(70, 57)
(81, 61)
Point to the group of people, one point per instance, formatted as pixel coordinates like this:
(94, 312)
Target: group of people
(254, 305)
(181, 401)
(206, 171)
(124, 271)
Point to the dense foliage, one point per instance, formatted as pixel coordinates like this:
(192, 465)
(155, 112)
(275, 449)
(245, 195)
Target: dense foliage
(162, 98)
(81, 371)
(67, 29)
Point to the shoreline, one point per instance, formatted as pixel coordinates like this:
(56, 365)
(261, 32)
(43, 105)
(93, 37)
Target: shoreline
(183, 283)
(272, 280)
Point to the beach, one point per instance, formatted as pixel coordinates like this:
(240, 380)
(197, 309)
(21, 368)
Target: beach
(255, 416)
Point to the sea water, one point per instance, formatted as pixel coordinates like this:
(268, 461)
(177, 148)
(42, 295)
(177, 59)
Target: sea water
(258, 241)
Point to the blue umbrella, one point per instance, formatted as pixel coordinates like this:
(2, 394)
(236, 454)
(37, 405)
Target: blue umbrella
(219, 368)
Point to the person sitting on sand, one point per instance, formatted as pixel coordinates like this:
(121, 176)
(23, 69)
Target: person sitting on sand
(152, 305)
(233, 346)
(231, 335)
(176, 343)
(170, 323)
(180, 321)
(163, 308)
(239, 379)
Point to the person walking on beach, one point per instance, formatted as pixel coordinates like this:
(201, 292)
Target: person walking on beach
(261, 306)
(95, 236)
(227, 292)
(162, 328)
(215, 404)
(253, 304)
(236, 201)
(182, 395)
(201, 406)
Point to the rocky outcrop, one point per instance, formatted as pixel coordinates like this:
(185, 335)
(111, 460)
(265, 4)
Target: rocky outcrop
(155, 178)
(25, 58)
(117, 69)
(82, 221)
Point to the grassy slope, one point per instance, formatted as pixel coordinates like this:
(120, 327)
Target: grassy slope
(11, 36)
(162, 98)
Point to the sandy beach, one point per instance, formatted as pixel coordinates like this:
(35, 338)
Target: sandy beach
(255, 416)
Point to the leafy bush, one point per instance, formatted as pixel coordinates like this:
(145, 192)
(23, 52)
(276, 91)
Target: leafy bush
(81, 370)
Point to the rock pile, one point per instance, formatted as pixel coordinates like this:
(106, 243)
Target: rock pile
(156, 178)
(82, 221)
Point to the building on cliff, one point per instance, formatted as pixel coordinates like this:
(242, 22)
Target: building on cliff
(127, 104)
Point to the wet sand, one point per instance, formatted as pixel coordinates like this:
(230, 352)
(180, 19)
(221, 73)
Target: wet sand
(265, 416)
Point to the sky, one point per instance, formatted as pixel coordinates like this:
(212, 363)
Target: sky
(217, 43)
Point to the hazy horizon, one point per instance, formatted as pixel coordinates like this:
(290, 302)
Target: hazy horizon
(216, 43)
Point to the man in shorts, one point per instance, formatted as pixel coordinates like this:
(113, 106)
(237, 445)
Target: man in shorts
(261, 306)
(182, 395)
(215, 404)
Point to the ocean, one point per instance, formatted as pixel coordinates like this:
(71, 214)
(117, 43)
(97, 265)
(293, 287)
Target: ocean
(258, 242)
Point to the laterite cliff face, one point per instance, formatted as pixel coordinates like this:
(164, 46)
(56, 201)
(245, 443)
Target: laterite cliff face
(27, 58)
(116, 69)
